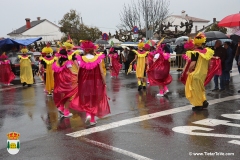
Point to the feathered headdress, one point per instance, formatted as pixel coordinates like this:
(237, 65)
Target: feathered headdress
(189, 45)
(140, 45)
(111, 49)
(24, 50)
(147, 46)
(87, 45)
(200, 38)
(47, 49)
(68, 45)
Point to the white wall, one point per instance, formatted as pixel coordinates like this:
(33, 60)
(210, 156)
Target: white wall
(177, 21)
(46, 30)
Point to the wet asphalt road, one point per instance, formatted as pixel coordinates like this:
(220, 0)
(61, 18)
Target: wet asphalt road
(31, 113)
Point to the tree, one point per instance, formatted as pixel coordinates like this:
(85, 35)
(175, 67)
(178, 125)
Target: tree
(71, 26)
(215, 27)
(136, 13)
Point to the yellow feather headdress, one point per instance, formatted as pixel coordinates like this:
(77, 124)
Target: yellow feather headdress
(47, 49)
(24, 50)
(200, 38)
(140, 45)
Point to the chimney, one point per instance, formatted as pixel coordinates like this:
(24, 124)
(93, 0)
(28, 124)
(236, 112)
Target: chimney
(38, 18)
(28, 24)
(214, 20)
(195, 29)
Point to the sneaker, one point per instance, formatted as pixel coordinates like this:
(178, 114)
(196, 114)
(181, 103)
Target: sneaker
(160, 95)
(221, 90)
(215, 89)
(61, 110)
(87, 121)
(24, 84)
(93, 123)
(166, 91)
(67, 113)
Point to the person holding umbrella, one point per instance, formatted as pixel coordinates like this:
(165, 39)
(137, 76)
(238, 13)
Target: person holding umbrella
(220, 52)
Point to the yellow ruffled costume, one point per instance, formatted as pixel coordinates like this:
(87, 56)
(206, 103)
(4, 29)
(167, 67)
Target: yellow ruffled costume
(141, 63)
(194, 88)
(49, 84)
(26, 74)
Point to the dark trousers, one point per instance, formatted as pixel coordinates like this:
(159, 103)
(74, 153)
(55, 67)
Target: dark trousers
(127, 63)
(222, 80)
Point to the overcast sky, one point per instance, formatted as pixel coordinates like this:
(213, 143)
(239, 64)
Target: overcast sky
(101, 13)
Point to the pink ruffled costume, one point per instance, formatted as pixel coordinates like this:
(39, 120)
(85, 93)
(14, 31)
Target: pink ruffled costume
(116, 66)
(92, 92)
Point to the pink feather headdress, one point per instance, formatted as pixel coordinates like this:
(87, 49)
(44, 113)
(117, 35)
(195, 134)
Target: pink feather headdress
(111, 49)
(147, 46)
(87, 45)
(189, 45)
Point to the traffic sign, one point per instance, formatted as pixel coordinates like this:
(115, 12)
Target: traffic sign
(105, 36)
(135, 29)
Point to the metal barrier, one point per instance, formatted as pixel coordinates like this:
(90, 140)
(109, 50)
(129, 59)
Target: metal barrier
(177, 62)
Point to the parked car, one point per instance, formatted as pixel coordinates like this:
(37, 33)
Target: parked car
(13, 57)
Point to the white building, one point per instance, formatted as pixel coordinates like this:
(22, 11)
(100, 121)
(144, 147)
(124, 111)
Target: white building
(176, 20)
(39, 28)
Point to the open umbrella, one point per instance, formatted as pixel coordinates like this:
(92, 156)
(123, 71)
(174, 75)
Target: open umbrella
(100, 41)
(214, 35)
(151, 42)
(230, 21)
(179, 40)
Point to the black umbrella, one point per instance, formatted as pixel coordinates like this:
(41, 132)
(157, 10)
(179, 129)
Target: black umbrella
(214, 35)
(234, 37)
(100, 41)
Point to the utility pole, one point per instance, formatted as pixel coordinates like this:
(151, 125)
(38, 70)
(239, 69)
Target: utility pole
(146, 19)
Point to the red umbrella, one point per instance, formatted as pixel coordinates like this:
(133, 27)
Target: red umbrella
(230, 21)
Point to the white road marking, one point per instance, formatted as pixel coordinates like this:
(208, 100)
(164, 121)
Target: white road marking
(234, 142)
(143, 118)
(124, 152)
(215, 122)
(189, 131)
(232, 116)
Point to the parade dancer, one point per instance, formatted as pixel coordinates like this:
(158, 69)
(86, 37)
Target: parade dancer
(6, 74)
(46, 63)
(141, 57)
(115, 66)
(26, 74)
(65, 83)
(158, 72)
(71, 53)
(92, 85)
(197, 73)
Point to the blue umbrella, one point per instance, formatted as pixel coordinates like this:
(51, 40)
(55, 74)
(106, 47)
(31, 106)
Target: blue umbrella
(28, 41)
(6, 41)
